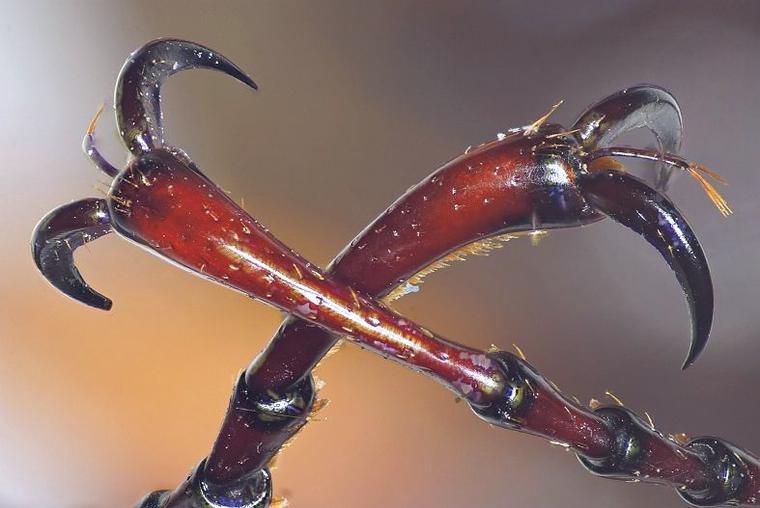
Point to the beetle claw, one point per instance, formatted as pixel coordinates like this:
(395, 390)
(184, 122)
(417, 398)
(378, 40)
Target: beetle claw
(58, 235)
(137, 98)
(632, 203)
(648, 106)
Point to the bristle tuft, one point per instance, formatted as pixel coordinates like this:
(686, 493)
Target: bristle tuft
(279, 502)
(480, 248)
(696, 170)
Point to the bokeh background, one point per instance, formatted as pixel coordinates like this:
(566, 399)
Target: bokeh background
(358, 101)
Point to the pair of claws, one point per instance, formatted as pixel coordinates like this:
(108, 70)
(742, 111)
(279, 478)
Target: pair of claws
(538, 177)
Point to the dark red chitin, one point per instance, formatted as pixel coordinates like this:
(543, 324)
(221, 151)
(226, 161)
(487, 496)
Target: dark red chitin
(524, 182)
(750, 492)
(161, 202)
(613, 442)
(532, 405)
(640, 452)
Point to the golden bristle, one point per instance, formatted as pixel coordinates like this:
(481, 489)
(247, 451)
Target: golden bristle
(533, 128)
(319, 383)
(278, 502)
(650, 420)
(680, 438)
(480, 248)
(336, 347)
(318, 406)
(563, 133)
(720, 203)
(614, 398)
(520, 352)
(94, 121)
(704, 169)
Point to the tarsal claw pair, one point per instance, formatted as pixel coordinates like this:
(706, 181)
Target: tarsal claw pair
(537, 177)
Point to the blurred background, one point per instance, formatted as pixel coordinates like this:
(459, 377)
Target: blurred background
(357, 102)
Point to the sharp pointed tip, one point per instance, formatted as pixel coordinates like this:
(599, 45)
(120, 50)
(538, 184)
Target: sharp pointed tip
(698, 343)
(250, 82)
(642, 209)
(79, 291)
(58, 235)
(137, 95)
(244, 78)
(85, 295)
(221, 63)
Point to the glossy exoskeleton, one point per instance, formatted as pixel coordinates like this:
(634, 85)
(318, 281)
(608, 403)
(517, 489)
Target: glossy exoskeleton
(534, 178)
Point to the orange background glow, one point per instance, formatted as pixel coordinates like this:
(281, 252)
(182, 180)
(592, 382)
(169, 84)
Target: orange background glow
(358, 101)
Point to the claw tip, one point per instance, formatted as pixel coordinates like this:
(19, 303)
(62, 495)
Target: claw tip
(248, 81)
(695, 351)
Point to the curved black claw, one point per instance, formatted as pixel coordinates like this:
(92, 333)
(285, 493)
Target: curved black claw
(138, 87)
(637, 206)
(638, 106)
(56, 238)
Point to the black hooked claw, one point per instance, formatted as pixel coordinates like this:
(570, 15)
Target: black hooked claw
(58, 235)
(634, 204)
(138, 115)
(138, 99)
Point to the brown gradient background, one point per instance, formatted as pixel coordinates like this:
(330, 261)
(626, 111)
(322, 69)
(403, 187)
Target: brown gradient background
(357, 103)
